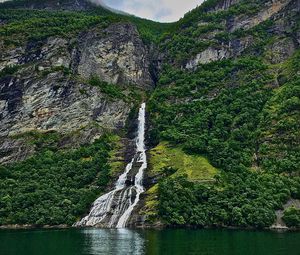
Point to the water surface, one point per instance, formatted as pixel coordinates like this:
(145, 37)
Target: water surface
(166, 242)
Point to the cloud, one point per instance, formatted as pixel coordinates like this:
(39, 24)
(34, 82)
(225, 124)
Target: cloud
(160, 10)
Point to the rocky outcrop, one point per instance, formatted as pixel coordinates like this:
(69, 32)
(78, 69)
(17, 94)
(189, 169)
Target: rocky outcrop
(245, 22)
(279, 223)
(54, 103)
(209, 55)
(49, 90)
(224, 5)
(117, 55)
(277, 11)
(281, 50)
(232, 49)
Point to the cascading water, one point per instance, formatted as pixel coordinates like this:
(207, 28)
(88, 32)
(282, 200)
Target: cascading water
(114, 208)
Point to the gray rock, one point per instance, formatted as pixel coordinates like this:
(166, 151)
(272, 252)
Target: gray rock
(270, 9)
(281, 50)
(117, 55)
(42, 96)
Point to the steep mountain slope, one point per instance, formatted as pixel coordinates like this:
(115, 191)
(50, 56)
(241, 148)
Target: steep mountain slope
(66, 79)
(224, 117)
(230, 92)
(50, 86)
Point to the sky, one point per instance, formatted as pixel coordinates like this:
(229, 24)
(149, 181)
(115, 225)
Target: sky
(158, 10)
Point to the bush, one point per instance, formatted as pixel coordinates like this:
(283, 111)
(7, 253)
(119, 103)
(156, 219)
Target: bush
(291, 217)
(111, 90)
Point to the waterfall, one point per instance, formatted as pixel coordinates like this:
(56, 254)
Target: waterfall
(113, 209)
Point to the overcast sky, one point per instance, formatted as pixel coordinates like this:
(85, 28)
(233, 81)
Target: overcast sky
(159, 10)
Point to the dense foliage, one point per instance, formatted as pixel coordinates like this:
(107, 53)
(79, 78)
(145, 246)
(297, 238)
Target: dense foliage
(54, 186)
(280, 126)
(292, 217)
(228, 112)
(221, 117)
(35, 25)
(242, 114)
(241, 200)
(20, 26)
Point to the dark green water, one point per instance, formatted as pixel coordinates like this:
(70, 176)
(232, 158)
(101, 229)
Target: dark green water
(166, 242)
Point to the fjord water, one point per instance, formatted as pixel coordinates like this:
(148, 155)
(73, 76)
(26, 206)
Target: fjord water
(114, 208)
(138, 242)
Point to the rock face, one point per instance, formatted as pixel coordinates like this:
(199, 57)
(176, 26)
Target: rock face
(281, 50)
(233, 48)
(50, 90)
(55, 103)
(270, 9)
(275, 11)
(117, 54)
(279, 224)
(224, 5)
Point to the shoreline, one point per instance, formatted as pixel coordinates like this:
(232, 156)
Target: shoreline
(62, 226)
(31, 226)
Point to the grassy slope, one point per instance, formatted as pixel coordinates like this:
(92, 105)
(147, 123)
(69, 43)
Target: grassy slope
(165, 157)
(196, 168)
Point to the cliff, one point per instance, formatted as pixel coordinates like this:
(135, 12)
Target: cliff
(50, 89)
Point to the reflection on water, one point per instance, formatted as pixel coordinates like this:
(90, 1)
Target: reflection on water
(148, 242)
(113, 241)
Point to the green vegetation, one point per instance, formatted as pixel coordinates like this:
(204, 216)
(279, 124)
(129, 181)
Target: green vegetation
(292, 217)
(279, 125)
(128, 93)
(230, 112)
(66, 71)
(35, 25)
(169, 161)
(109, 89)
(25, 25)
(9, 70)
(163, 157)
(227, 122)
(226, 135)
(54, 186)
(242, 199)
(116, 159)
